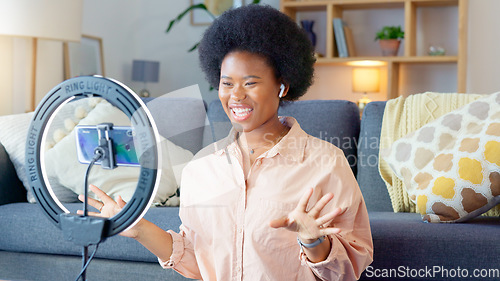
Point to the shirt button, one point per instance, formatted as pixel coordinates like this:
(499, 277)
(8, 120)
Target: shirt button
(170, 264)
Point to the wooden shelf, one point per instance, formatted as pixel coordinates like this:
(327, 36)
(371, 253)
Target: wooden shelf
(402, 59)
(364, 4)
(435, 3)
(335, 9)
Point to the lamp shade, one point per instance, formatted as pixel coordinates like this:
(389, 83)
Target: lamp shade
(44, 19)
(145, 71)
(365, 80)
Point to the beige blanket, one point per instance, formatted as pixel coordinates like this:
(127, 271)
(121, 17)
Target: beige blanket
(403, 116)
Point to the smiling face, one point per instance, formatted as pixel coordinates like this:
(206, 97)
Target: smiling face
(248, 91)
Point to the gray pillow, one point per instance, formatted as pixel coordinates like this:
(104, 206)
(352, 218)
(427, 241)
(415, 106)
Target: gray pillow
(11, 188)
(13, 132)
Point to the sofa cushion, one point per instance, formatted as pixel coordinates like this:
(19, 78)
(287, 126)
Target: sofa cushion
(63, 168)
(25, 228)
(11, 188)
(181, 120)
(67, 117)
(371, 184)
(336, 121)
(62, 267)
(404, 241)
(451, 166)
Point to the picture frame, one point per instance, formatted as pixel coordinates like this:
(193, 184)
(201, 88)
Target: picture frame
(84, 57)
(200, 17)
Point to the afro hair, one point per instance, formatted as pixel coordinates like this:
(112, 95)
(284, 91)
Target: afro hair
(263, 30)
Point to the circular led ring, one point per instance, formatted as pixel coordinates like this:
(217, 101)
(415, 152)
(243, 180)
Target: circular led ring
(129, 103)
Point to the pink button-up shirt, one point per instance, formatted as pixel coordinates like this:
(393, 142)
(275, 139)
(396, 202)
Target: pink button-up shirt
(225, 232)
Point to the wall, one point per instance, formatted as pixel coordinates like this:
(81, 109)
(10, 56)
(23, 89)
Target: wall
(143, 24)
(137, 31)
(15, 58)
(483, 56)
(6, 67)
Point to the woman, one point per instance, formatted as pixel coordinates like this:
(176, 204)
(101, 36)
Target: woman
(269, 202)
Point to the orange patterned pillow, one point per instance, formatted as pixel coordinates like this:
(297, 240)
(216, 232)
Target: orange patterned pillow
(451, 166)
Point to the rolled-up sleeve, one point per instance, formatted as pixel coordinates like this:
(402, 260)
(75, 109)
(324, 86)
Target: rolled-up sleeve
(183, 258)
(347, 259)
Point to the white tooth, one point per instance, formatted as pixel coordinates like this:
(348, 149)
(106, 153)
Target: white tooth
(240, 112)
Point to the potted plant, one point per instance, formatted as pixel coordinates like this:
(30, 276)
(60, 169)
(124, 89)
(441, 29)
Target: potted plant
(389, 38)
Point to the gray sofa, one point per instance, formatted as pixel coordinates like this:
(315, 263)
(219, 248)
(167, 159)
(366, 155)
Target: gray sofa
(31, 248)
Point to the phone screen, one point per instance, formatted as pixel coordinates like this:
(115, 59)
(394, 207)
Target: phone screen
(87, 139)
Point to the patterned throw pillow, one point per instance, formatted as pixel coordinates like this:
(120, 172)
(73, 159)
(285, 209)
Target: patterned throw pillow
(451, 166)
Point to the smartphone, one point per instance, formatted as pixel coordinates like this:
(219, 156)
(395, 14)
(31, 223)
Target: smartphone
(87, 139)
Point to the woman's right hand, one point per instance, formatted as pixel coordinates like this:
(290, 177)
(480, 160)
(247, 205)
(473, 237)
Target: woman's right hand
(108, 208)
(155, 239)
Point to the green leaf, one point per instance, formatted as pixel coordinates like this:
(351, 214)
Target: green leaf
(390, 32)
(194, 47)
(200, 6)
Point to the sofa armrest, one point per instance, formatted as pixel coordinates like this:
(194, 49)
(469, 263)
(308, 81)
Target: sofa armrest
(11, 188)
(370, 182)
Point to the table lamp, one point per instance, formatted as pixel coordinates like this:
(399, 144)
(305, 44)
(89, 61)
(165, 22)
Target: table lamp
(364, 80)
(145, 71)
(44, 19)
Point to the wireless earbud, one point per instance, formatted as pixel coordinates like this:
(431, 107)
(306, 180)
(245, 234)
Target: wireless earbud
(282, 89)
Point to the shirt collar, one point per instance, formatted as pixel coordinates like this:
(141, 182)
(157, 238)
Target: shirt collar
(227, 144)
(291, 146)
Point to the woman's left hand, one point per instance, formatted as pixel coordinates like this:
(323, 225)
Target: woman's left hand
(309, 225)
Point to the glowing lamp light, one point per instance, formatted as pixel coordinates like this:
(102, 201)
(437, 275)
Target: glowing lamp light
(365, 80)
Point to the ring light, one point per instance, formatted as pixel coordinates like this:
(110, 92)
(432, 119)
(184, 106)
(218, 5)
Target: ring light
(129, 103)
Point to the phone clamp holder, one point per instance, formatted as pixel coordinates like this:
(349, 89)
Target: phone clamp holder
(106, 146)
